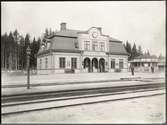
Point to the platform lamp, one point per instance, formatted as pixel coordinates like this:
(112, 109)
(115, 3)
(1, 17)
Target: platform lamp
(28, 51)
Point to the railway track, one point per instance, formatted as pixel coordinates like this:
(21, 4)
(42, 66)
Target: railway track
(42, 101)
(72, 92)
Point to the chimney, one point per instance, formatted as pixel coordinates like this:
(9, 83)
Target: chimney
(63, 26)
(99, 29)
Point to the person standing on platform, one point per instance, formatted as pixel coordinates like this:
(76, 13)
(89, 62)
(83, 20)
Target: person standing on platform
(152, 69)
(132, 69)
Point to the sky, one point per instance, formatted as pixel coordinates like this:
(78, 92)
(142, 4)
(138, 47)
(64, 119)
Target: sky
(139, 22)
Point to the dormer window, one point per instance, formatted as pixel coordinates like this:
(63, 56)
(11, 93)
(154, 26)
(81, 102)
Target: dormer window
(43, 46)
(48, 45)
(76, 44)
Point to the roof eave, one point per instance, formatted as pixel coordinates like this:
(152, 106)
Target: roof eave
(58, 50)
(112, 53)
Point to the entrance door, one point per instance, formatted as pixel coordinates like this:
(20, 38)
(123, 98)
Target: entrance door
(94, 65)
(102, 65)
(87, 64)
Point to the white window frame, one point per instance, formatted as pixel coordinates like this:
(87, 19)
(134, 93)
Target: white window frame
(102, 46)
(94, 45)
(121, 61)
(86, 45)
(62, 64)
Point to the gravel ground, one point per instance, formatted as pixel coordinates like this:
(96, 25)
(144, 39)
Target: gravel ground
(43, 79)
(140, 110)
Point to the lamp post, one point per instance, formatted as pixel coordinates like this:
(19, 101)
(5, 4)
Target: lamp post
(28, 51)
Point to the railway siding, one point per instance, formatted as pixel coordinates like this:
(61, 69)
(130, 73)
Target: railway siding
(86, 85)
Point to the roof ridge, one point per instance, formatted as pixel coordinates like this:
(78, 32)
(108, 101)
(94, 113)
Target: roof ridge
(74, 30)
(114, 39)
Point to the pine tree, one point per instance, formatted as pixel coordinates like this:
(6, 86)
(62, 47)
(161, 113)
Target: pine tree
(32, 56)
(134, 51)
(27, 43)
(50, 32)
(2, 51)
(148, 53)
(21, 53)
(11, 52)
(39, 43)
(46, 34)
(16, 48)
(128, 49)
(5, 51)
(140, 52)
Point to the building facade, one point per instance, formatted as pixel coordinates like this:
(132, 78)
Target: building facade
(81, 51)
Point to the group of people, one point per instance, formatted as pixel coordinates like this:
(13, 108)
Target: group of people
(132, 68)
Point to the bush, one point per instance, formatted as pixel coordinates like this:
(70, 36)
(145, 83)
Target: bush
(117, 70)
(69, 70)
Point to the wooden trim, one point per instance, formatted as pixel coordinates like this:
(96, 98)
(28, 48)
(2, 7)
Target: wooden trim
(62, 36)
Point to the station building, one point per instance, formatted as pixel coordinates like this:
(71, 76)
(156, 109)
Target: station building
(81, 51)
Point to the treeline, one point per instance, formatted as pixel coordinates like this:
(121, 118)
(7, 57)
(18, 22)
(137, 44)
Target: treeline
(13, 51)
(134, 50)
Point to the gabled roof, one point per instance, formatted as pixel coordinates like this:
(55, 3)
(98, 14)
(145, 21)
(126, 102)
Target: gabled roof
(66, 43)
(65, 40)
(146, 56)
(111, 39)
(62, 44)
(161, 57)
(68, 32)
(117, 48)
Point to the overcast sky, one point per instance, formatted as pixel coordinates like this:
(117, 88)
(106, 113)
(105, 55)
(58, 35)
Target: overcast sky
(142, 22)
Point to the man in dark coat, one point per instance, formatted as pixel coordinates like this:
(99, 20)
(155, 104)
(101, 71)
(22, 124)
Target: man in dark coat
(132, 69)
(152, 69)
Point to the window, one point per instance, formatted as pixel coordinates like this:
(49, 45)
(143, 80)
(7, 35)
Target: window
(149, 64)
(121, 63)
(48, 45)
(112, 63)
(46, 63)
(62, 62)
(94, 46)
(40, 64)
(101, 46)
(86, 45)
(73, 63)
(43, 47)
(76, 44)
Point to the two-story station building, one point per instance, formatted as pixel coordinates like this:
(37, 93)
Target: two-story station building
(81, 51)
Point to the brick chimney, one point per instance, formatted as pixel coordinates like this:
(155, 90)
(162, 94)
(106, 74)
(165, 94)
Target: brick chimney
(100, 29)
(63, 26)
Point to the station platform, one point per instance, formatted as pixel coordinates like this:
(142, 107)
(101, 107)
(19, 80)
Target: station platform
(78, 77)
(61, 82)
